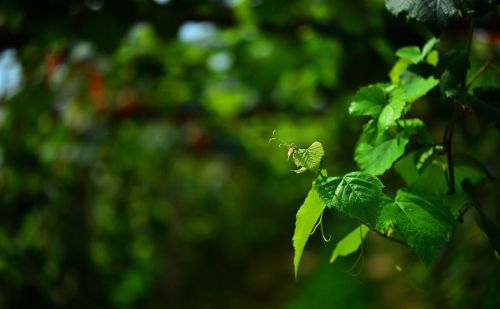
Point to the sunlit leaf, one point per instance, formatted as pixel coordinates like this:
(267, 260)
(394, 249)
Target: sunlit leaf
(350, 243)
(310, 158)
(368, 101)
(307, 217)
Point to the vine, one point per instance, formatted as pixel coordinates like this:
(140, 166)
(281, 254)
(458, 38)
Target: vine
(439, 190)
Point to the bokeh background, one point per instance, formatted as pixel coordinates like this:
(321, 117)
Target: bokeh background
(135, 168)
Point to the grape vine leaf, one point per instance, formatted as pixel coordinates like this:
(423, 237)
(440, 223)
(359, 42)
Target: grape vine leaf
(375, 155)
(308, 159)
(413, 53)
(431, 180)
(350, 243)
(368, 101)
(378, 158)
(417, 86)
(424, 223)
(433, 13)
(308, 215)
(356, 194)
(393, 110)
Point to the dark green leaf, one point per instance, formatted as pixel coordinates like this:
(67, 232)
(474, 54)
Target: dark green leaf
(356, 194)
(433, 13)
(424, 223)
(431, 181)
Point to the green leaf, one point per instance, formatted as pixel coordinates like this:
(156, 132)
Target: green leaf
(433, 58)
(307, 217)
(368, 101)
(398, 69)
(387, 217)
(425, 155)
(422, 222)
(433, 13)
(350, 243)
(393, 110)
(356, 194)
(431, 181)
(375, 154)
(309, 158)
(429, 45)
(376, 159)
(417, 86)
(411, 53)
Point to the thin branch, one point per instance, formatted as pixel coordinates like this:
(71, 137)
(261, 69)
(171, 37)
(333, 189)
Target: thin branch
(478, 73)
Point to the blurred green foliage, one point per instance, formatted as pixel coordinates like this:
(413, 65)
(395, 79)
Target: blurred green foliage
(135, 168)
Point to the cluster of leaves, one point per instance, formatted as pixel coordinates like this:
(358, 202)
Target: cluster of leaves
(424, 212)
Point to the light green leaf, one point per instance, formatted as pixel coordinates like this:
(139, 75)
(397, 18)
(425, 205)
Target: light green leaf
(433, 58)
(368, 101)
(398, 69)
(417, 86)
(350, 243)
(422, 222)
(425, 155)
(307, 217)
(309, 158)
(429, 45)
(356, 194)
(411, 53)
(393, 110)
